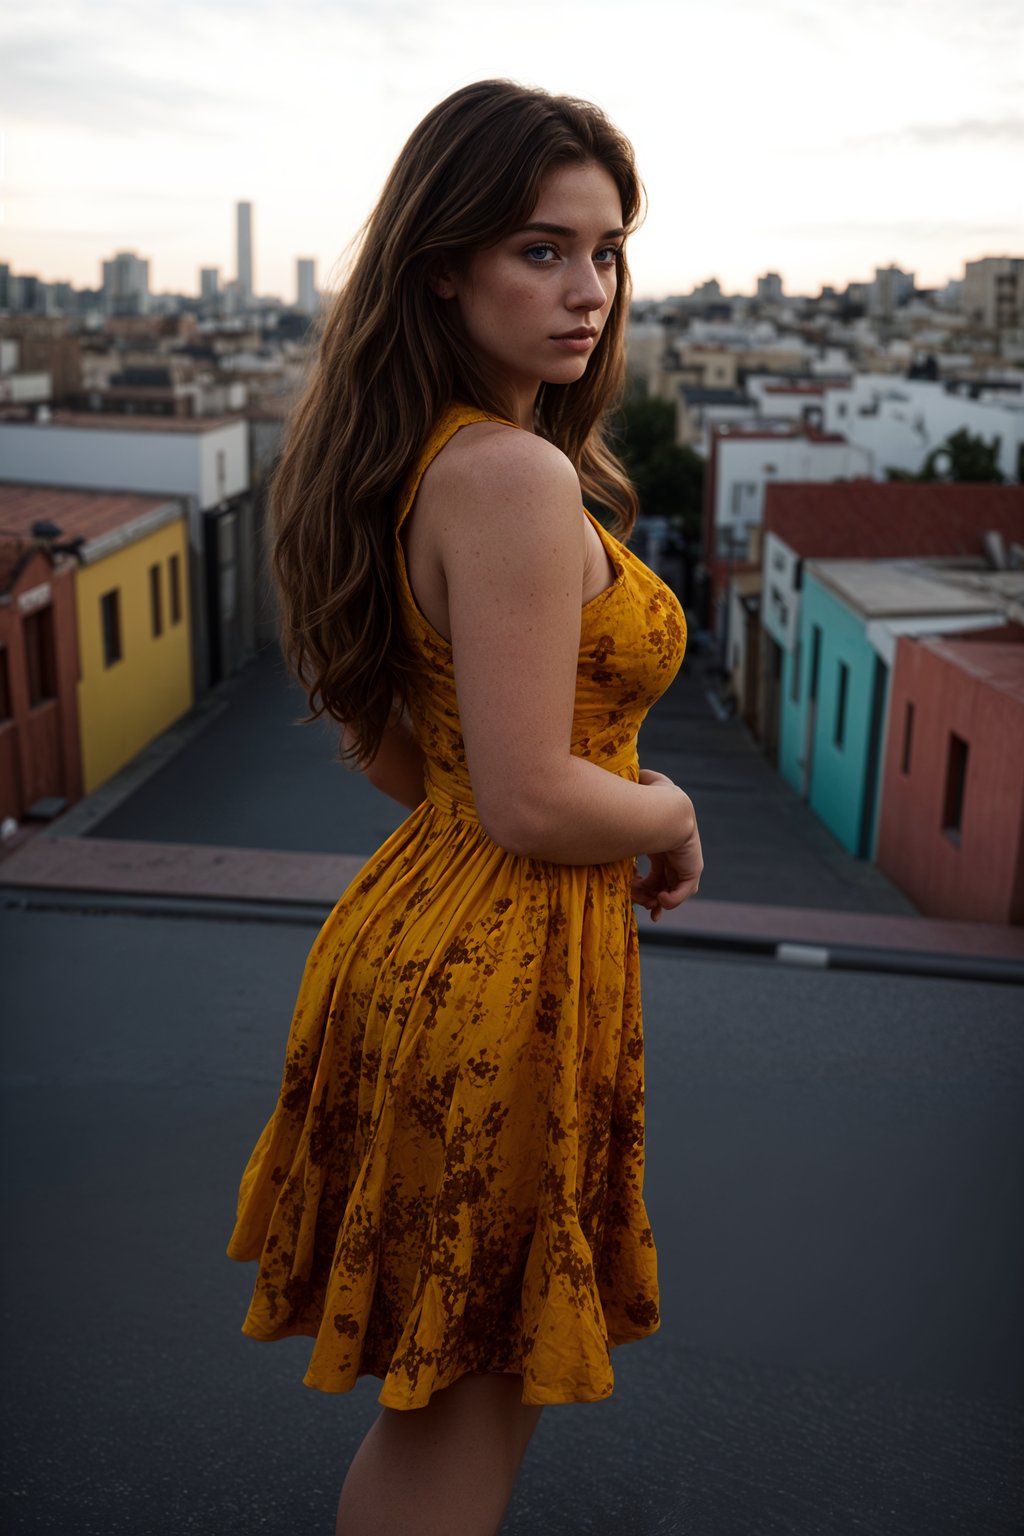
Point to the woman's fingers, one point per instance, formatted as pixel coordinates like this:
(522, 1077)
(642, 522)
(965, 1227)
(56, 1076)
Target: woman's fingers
(682, 870)
(673, 877)
(645, 887)
(650, 776)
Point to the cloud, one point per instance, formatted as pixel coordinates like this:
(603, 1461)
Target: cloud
(971, 130)
(953, 229)
(72, 79)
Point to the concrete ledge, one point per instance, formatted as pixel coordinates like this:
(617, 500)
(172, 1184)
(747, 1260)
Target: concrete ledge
(118, 866)
(814, 926)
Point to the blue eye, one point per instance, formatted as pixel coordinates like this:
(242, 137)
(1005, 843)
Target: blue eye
(609, 253)
(544, 250)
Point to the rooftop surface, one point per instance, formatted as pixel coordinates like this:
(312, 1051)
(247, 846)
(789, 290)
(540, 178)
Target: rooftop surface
(871, 518)
(88, 514)
(833, 1174)
(891, 588)
(111, 421)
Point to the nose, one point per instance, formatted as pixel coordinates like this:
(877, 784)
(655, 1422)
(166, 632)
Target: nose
(587, 291)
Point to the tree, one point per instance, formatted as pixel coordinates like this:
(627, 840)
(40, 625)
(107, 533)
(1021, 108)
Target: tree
(961, 458)
(669, 479)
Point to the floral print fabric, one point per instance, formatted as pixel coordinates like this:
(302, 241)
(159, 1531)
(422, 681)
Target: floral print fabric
(451, 1180)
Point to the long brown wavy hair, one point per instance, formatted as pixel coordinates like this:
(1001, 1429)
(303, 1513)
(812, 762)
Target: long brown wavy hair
(391, 357)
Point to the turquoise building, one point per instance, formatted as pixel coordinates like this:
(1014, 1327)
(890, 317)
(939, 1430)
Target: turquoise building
(834, 695)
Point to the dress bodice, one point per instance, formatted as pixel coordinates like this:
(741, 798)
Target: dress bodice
(632, 640)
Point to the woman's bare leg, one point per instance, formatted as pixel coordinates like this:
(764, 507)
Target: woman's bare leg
(444, 1470)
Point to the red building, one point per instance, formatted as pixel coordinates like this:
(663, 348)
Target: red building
(39, 748)
(951, 827)
(865, 519)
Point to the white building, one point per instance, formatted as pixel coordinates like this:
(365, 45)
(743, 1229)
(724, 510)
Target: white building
(204, 460)
(899, 421)
(747, 459)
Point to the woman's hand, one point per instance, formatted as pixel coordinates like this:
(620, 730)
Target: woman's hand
(674, 873)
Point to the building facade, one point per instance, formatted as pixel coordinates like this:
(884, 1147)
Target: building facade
(204, 461)
(39, 743)
(951, 832)
(834, 688)
(99, 655)
(133, 642)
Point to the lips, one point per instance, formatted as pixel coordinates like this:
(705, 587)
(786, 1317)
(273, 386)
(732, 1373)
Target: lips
(581, 333)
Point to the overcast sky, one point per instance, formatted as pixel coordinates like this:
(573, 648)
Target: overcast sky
(815, 138)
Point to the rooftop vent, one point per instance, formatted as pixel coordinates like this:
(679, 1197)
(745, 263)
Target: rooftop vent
(995, 549)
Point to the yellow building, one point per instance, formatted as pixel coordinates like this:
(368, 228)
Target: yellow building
(118, 659)
(134, 634)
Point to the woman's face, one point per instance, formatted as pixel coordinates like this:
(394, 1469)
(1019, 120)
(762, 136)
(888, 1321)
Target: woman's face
(534, 305)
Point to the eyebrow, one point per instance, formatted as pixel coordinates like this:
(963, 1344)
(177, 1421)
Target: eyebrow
(563, 229)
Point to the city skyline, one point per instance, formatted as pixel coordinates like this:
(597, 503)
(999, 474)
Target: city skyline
(811, 142)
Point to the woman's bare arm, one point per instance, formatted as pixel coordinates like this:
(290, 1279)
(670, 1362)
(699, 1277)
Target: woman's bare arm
(511, 542)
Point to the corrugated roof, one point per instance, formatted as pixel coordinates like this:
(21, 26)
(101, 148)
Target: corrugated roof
(887, 588)
(872, 519)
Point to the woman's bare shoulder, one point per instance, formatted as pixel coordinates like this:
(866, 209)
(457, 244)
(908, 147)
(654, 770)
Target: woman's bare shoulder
(492, 464)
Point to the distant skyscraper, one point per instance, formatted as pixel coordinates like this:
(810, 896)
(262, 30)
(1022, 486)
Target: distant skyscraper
(126, 285)
(769, 288)
(244, 211)
(209, 282)
(306, 285)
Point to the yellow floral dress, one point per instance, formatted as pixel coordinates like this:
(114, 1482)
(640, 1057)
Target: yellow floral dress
(451, 1180)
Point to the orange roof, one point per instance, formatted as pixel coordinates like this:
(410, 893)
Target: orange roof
(85, 513)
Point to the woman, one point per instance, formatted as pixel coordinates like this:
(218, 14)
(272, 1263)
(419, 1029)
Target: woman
(448, 1195)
